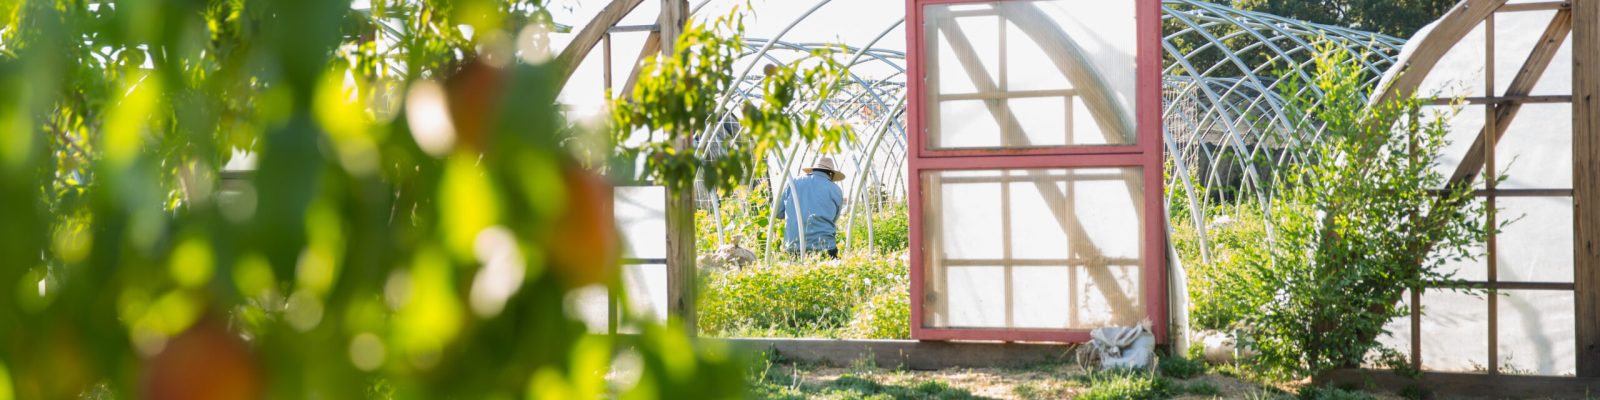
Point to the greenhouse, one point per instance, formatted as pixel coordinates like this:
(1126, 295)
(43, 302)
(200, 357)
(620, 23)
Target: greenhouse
(1319, 199)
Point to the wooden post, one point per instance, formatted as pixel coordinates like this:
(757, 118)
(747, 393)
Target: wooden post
(680, 201)
(1586, 182)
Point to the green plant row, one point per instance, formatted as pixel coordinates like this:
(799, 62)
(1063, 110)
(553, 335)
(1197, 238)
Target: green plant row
(861, 295)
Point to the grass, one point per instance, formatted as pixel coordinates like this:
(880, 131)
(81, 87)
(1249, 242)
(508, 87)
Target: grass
(1331, 393)
(1041, 390)
(1116, 385)
(770, 379)
(1181, 367)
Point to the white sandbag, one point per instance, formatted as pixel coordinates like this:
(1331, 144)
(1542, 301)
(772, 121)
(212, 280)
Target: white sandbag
(1124, 347)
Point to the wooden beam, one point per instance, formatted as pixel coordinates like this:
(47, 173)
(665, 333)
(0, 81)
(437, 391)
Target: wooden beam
(680, 201)
(634, 28)
(1014, 94)
(1546, 99)
(1503, 285)
(1539, 6)
(1586, 182)
(591, 34)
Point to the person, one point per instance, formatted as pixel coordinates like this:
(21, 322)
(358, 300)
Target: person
(810, 207)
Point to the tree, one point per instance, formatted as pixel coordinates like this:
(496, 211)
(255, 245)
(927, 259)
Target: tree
(412, 230)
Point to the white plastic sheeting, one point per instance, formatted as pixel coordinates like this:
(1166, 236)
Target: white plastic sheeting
(1050, 248)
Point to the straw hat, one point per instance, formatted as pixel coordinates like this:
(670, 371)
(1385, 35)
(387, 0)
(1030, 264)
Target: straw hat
(826, 164)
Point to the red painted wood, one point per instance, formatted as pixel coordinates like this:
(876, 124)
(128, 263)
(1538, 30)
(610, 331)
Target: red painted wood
(1031, 151)
(1008, 335)
(1147, 154)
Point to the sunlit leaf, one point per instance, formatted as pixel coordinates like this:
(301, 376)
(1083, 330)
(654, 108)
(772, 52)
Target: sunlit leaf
(192, 263)
(467, 204)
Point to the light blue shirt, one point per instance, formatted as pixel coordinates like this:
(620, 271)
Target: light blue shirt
(816, 197)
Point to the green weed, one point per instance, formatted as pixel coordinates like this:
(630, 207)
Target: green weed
(1123, 385)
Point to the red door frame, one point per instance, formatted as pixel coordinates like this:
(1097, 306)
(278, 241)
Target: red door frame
(1147, 153)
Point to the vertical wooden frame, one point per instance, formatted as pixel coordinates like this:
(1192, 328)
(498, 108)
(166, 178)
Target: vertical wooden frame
(681, 273)
(1146, 153)
(1586, 182)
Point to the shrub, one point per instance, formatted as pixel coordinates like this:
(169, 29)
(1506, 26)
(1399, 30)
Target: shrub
(1351, 227)
(801, 299)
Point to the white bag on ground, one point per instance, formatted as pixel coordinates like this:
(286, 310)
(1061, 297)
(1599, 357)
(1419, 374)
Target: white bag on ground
(1222, 347)
(1124, 347)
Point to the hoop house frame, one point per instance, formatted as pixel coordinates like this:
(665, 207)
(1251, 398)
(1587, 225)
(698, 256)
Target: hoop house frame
(1141, 160)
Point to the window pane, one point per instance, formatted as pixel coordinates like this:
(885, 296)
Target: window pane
(1536, 333)
(1465, 124)
(1455, 331)
(641, 213)
(1535, 152)
(646, 286)
(1028, 74)
(1537, 245)
(1460, 72)
(1036, 248)
(1397, 332)
(1516, 34)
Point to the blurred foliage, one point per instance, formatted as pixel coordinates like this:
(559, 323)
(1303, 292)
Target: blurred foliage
(411, 230)
(808, 298)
